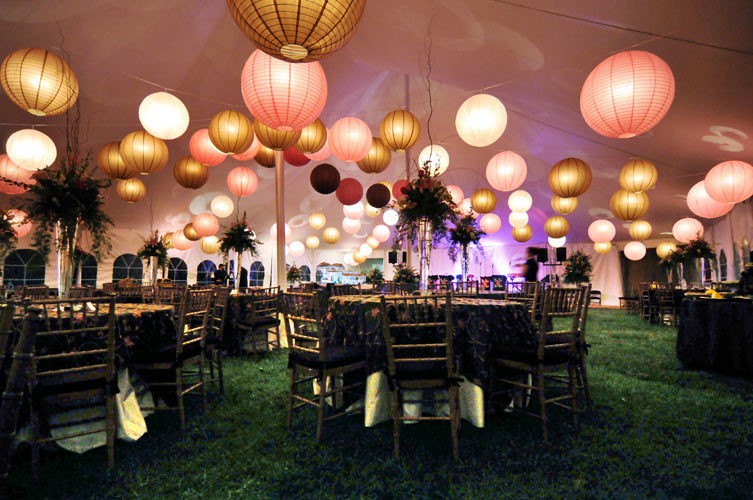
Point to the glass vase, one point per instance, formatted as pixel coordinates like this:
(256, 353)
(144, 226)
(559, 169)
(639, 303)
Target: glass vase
(66, 238)
(238, 267)
(464, 263)
(153, 268)
(424, 252)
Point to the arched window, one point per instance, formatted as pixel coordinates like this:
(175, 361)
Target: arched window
(256, 275)
(23, 267)
(88, 267)
(127, 266)
(305, 273)
(722, 266)
(205, 272)
(177, 270)
(320, 272)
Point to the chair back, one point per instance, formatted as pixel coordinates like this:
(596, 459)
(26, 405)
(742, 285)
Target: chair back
(147, 294)
(528, 293)
(302, 312)
(439, 287)
(560, 320)
(346, 290)
(583, 317)
(219, 312)
(35, 293)
(80, 291)
(109, 288)
(193, 319)
(265, 302)
(466, 288)
(400, 288)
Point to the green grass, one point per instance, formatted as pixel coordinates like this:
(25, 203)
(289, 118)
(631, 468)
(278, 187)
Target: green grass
(656, 432)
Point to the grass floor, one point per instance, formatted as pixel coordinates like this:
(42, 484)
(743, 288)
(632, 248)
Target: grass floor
(656, 432)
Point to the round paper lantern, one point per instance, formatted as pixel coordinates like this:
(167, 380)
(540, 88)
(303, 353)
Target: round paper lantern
(112, 164)
(436, 158)
(570, 177)
(167, 239)
(665, 248)
(313, 137)
(275, 138)
(557, 242)
(466, 208)
(14, 173)
(381, 233)
(16, 218)
(203, 149)
(399, 129)
(506, 171)
(348, 260)
(163, 115)
(490, 223)
(397, 189)
(359, 257)
(687, 229)
(390, 217)
(30, 149)
(288, 232)
(378, 195)
(372, 211)
(519, 201)
(481, 120)
(323, 153)
(222, 206)
(242, 181)
(372, 242)
(294, 157)
(349, 191)
(180, 242)
(365, 250)
(250, 153)
(206, 224)
(627, 94)
(350, 139)
(564, 205)
(601, 231)
(190, 232)
(640, 230)
(484, 201)
(518, 219)
(231, 131)
(638, 175)
(190, 173)
(728, 182)
(143, 152)
(325, 179)
(297, 248)
(210, 244)
(265, 156)
(312, 242)
(522, 234)
(39, 81)
(604, 247)
(351, 226)
(456, 194)
(628, 206)
(354, 211)
(556, 226)
(317, 220)
(331, 235)
(131, 190)
(377, 159)
(635, 250)
(703, 205)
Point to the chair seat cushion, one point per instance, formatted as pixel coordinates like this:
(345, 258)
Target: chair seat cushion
(336, 356)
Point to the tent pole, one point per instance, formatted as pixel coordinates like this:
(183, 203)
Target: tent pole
(280, 220)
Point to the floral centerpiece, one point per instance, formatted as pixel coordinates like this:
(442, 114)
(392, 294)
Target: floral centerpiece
(294, 273)
(671, 262)
(405, 275)
(465, 233)
(8, 237)
(578, 268)
(375, 276)
(698, 251)
(154, 251)
(240, 238)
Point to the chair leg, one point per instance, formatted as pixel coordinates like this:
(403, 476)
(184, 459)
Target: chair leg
(35, 433)
(454, 420)
(542, 404)
(584, 381)
(290, 399)
(179, 394)
(320, 407)
(395, 408)
(220, 374)
(203, 381)
(111, 424)
(573, 394)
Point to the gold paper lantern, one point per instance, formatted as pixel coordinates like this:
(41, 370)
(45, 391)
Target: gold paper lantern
(628, 206)
(556, 226)
(564, 205)
(167, 239)
(190, 233)
(484, 201)
(377, 159)
(372, 211)
(665, 248)
(312, 242)
(522, 234)
(265, 157)
(638, 175)
(112, 164)
(313, 137)
(640, 230)
(359, 257)
(231, 131)
(372, 242)
(603, 247)
(131, 190)
(144, 152)
(317, 220)
(210, 244)
(274, 138)
(331, 235)
(39, 82)
(570, 177)
(399, 129)
(190, 173)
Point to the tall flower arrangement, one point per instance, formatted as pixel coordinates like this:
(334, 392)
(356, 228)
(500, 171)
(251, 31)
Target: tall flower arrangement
(578, 268)
(8, 237)
(465, 233)
(154, 251)
(240, 238)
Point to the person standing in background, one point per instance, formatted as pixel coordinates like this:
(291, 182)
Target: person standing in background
(531, 266)
(220, 275)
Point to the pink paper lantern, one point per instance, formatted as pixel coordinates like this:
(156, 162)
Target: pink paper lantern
(506, 171)
(350, 139)
(687, 229)
(13, 172)
(349, 192)
(294, 157)
(601, 231)
(180, 242)
(456, 194)
(250, 153)
(351, 226)
(16, 218)
(381, 233)
(397, 189)
(730, 181)
(635, 250)
(203, 150)
(354, 211)
(242, 181)
(206, 224)
(283, 95)
(490, 223)
(703, 205)
(627, 94)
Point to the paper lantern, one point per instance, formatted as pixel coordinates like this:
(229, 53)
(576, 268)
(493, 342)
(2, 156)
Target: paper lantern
(276, 139)
(206, 224)
(365, 250)
(297, 248)
(359, 257)
(627, 94)
(348, 260)
(313, 137)
(167, 239)
(112, 164)
(312, 242)
(351, 226)
(557, 242)
(350, 139)
(381, 233)
(31, 149)
(687, 229)
(374, 211)
(210, 244)
(16, 218)
(522, 234)
(665, 248)
(564, 205)
(466, 208)
(163, 115)
(242, 181)
(322, 154)
(131, 190)
(349, 191)
(378, 195)
(265, 156)
(372, 242)
(397, 189)
(14, 173)
(190, 232)
(390, 217)
(354, 211)
(295, 158)
(222, 206)
(556, 226)
(456, 194)
(703, 205)
(231, 131)
(331, 235)
(506, 171)
(628, 206)
(399, 129)
(180, 242)
(377, 159)
(570, 177)
(638, 175)
(288, 232)
(143, 152)
(484, 201)
(203, 149)
(436, 158)
(635, 250)
(190, 173)
(640, 230)
(601, 231)
(39, 81)
(325, 179)
(481, 120)
(519, 201)
(317, 220)
(518, 219)
(297, 31)
(250, 153)
(604, 247)
(282, 95)
(490, 223)
(728, 182)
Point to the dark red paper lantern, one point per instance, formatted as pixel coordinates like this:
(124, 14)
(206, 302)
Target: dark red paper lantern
(325, 179)
(294, 157)
(397, 189)
(378, 195)
(349, 191)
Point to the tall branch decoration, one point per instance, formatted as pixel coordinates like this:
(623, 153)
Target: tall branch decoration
(154, 251)
(465, 233)
(239, 238)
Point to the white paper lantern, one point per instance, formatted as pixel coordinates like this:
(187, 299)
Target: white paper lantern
(288, 232)
(635, 250)
(490, 223)
(381, 233)
(390, 217)
(365, 249)
(351, 226)
(506, 171)
(222, 206)
(437, 157)
(557, 242)
(518, 219)
(687, 229)
(481, 120)
(296, 248)
(354, 211)
(519, 201)
(601, 231)
(31, 149)
(466, 208)
(163, 115)
(348, 260)
(312, 242)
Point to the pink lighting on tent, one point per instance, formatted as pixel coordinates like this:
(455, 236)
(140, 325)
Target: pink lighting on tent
(730, 182)
(349, 192)
(490, 223)
(294, 157)
(635, 250)
(506, 171)
(703, 205)
(242, 181)
(250, 153)
(13, 172)
(601, 231)
(206, 224)
(203, 150)
(16, 217)
(687, 229)
(350, 139)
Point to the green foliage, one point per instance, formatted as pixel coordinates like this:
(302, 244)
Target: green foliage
(374, 276)
(405, 274)
(294, 273)
(465, 233)
(673, 258)
(425, 198)
(240, 238)
(578, 268)
(698, 249)
(154, 246)
(8, 238)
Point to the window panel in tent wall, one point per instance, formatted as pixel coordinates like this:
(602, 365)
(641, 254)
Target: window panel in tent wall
(305, 273)
(127, 265)
(23, 267)
(177, 270)
(722, 266)
(85, 270)
(205, 272)
(256, 276)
